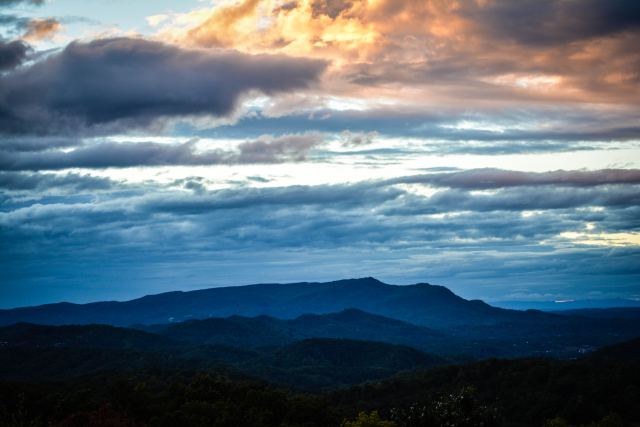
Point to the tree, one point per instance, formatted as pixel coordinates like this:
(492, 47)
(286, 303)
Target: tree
(364, 420)
(455, 410)
(611, 420)
(19, 417)
(106, 416)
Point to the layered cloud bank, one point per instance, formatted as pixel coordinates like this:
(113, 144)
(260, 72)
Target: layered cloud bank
(490, 146)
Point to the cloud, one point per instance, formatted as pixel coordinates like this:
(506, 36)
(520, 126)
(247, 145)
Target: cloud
(553, 22)
(6, 3)
(12, 54)
(535, 231)
(384, 202)
(291, 148)
(451, 52)
(330, 8)
(258, 179)
(350, 139)
(287, 148)
(34, 144)
(156, 19)
(484, 179)
(501, 131)
(127, 83)
(42, 29)
(16, 181)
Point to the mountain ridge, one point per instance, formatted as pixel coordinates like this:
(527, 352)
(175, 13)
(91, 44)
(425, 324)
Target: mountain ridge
(420, 304)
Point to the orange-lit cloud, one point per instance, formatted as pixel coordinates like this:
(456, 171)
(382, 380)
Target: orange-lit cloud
(479, 50)
(42, 29)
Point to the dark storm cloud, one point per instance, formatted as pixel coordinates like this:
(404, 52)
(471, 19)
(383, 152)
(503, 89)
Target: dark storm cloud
(17, 181)
(127, 83)
(287, 148)
(12, 54)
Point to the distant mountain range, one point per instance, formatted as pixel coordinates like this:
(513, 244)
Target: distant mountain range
(421, 304)
(554, 306)
(242, 328)
(568, 336)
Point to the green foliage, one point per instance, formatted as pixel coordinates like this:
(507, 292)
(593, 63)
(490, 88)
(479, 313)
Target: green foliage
(364, 420)
(530, 391)
(202, 401)
(106, 416)
(556, 422)
(313, 363)
(18, 416)
(611, 420)
(459, 409)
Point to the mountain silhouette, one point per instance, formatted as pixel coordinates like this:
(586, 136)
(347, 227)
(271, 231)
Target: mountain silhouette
(420, 304)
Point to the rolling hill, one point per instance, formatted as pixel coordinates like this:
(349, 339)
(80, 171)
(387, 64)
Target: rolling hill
(318, 363)
(99, 336)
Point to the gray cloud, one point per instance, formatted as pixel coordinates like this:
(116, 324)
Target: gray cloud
(12, 54)
(17, 181)
(524, 199)
(129, 83)
(5, 3)
(258, 179)
(287, 148)
(548, 129)
(608, 189)
(35, 144)
(350, 139)
(193, 183)
(375, 226)
(484, 179)
(553, 22)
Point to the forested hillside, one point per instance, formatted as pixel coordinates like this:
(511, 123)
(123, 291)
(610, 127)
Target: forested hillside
(313, 363)
(524, 392)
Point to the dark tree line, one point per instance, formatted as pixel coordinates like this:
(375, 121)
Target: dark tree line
(522, 392)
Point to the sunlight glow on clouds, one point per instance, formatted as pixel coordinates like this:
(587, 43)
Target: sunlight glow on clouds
(489, 146)
(603, 239)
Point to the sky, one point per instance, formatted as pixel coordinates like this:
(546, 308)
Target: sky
(489, 146)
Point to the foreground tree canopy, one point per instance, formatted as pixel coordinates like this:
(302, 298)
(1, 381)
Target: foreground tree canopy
(509, 393)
